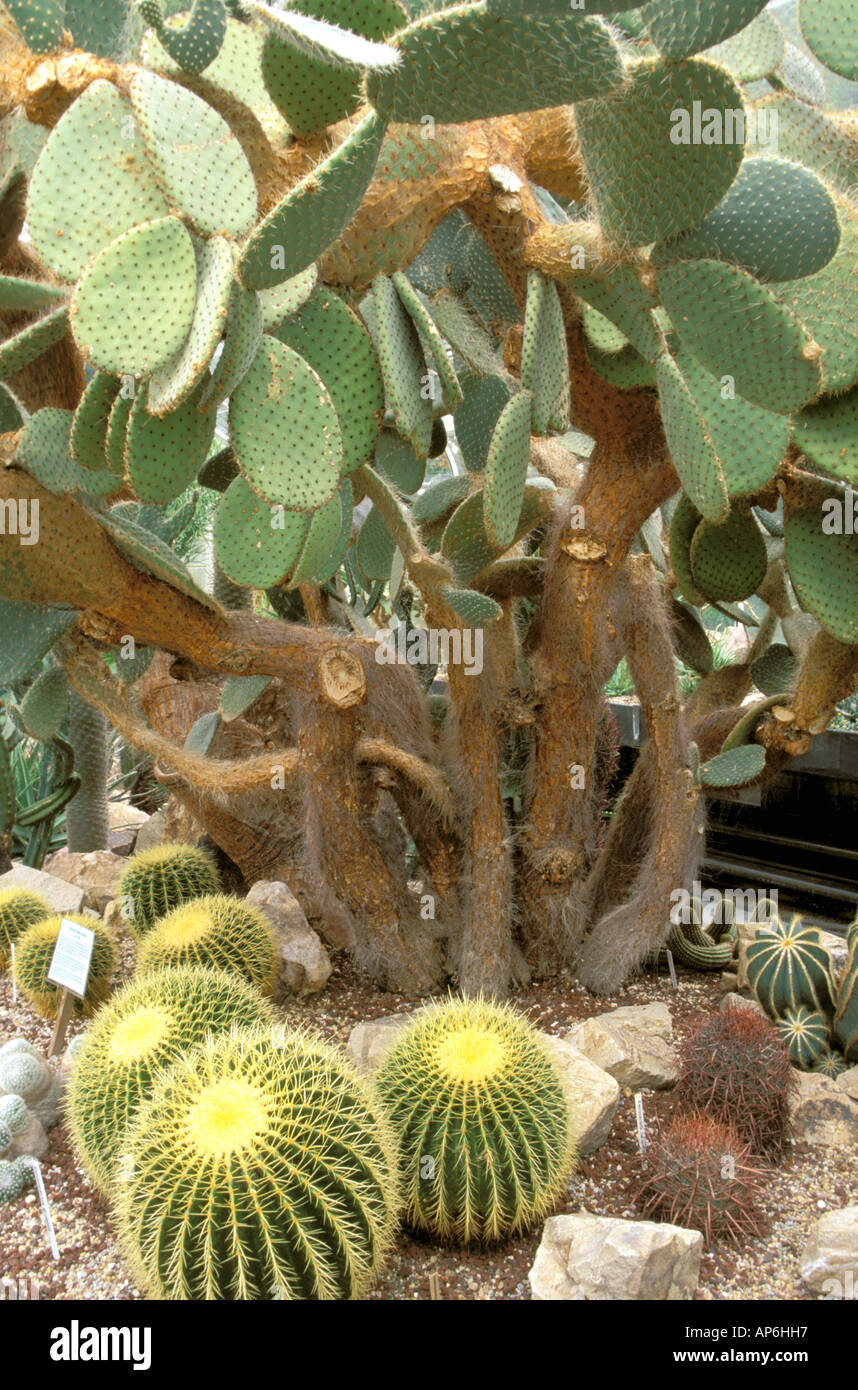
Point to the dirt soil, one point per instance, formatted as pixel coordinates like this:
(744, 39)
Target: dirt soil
(811, 1181)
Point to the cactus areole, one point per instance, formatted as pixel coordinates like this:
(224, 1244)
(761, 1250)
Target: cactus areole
(523, 333)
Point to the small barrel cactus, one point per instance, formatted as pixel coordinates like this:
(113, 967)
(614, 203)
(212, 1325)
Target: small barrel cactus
(13, 1115)
(830, 1063)
(805, 1035)
(846, 1015)
(735, 1069)
(482, 1121)
(221, 932)
(160, 879)
(12, 1180)
(19, 909)
(258, 1169)
(33, 956)
(788, 966)
(143, 1027)
(699, 1175)
(23, 1072)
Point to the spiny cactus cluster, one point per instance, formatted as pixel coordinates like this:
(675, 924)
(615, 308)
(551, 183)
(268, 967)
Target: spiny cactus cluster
(162, 878)
(735, 1069)
(34, 953)
(140, 1031)
(221, 932)
(19, 909)
(258, 1169)
(14, 1177)
(700, 1175)
(27, 1079)
(482, 1120)
(791, 973)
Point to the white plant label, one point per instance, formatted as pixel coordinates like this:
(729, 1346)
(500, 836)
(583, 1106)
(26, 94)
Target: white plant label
(46, 1210)
(672, 968)
(72, 957)
(639, 1116)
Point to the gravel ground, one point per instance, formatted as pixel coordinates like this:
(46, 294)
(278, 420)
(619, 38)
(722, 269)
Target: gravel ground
(811, 1181)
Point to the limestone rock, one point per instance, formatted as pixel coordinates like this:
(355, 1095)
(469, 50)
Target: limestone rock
(306, 965)
(121, 815)
(369, 1041)
(32, 1140)
(97, 873)
(593, 1094)
(848, 1082)
(631, 1044)
(837, 949)
(829, 1261)
(122, 842)
(823, 1112)
(62, 896)
(600, 1258)
(151, 833)
(739, 1001)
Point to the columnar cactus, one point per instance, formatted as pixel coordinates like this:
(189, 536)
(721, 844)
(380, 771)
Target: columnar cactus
(482, 1120)
(216, 1171)
(139, 1032)
(160, 879)
(221, 932)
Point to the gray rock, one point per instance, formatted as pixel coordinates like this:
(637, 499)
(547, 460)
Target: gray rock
(122, 816)
(368, 1042)
(62, 896)
(848, 1082)
(151, 832)
(837, 949)
(32, 1140)
(593, 1094)
(601, 1258)
(122, 842)
(739, 1001)
(729, 980)
(823, 1113)
(97, 873)
(306, 965)
(829, 1261)
(631, 1045)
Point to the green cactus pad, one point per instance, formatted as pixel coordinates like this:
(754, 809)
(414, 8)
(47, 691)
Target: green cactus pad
(41, 23)
(798, 76)
(478, 610)
(92, 182)
(174, 383)
(789, 966)
(315, 212)
(321, 40)
(440, 497)
(776, 671)
(691, 449)
(846, 1015)
(736, 768)
(282, 301)
(32, 342)
(150, 554)
(684, 522)
(197, 158)
(778, 221)
(466, 64)
(10, 412)
(43, 707)
(89, 428)
(285, 431)
(397, 462)
(239, 693)
(330, 336)
(311, 93)
(828, 434)
(152, 327)
(465, 541)
(29, 630)
(251, 1123)
(830, 29)
(728, 558)
(242, 337)
(477, 418)
(256, 544)
(805, 1035)
(146, 1026)
(625, 302)
(44, 451)
(164, 454)
(544, 355)
(626, 370)
(739, 330)
(195, 41)
(403, 367)
(117, 429)
(810, 137)
(219, 471)
(487, 287)
(679, 29)
(466, 335)
(99, 26)
(824, 567)
(753, 54)
(375, 547)
(749, 442)
(236, 71)
(827, 305)
(645, 186)
(327, 540)
(27, 294)
(506, 470)
(432, 343)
